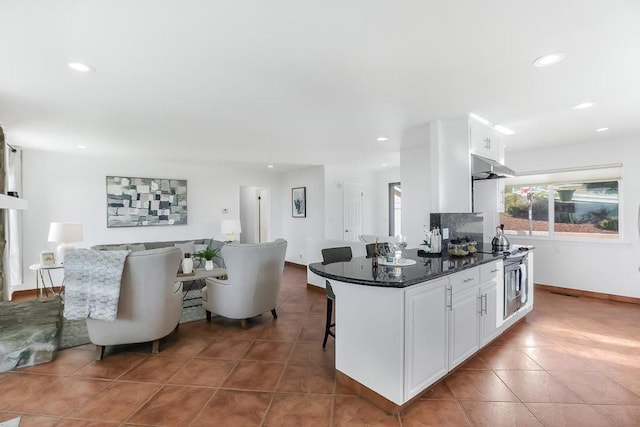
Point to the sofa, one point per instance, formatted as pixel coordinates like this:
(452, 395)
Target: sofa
(186, 246)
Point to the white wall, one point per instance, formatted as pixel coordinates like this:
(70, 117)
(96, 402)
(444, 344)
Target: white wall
(68, 187)
(607, 267)
(420, 182)
(298, 230)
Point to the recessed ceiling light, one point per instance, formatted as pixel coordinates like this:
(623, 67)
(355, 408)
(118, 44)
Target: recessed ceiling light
(480, 119)
(270, 166)
(82, 147)
(584, 105)
(382, 139)
(78, 66)
(550, 59)
(503, 130)
(602, 129)
(383, 165)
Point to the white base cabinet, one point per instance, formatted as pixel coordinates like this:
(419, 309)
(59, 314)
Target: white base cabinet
(463, 326)
(491, 301)
(399, 341)
(425, 336)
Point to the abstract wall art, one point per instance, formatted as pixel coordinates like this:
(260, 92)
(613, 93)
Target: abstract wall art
(135, 202)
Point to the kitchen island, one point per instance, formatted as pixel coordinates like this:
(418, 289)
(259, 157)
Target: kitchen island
(399, 329)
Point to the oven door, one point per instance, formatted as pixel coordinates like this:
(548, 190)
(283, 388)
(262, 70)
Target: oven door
(512, 288)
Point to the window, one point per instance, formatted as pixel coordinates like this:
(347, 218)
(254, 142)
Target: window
(567, 209)
(395, 209)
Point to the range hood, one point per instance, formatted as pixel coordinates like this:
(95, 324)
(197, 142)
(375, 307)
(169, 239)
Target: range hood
(484, 168)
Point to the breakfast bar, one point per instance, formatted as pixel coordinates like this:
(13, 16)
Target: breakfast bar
(401, 328)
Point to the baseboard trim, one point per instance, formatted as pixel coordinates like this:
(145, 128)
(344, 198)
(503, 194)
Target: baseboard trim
(590, 294)
(295, 265)
(315, 288)
(31, 293)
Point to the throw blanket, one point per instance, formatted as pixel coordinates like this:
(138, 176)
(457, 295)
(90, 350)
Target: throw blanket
(92, 283)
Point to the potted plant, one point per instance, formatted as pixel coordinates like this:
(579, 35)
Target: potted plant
(208, 255)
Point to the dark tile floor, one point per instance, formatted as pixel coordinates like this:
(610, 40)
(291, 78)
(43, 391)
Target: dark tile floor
(572, 362)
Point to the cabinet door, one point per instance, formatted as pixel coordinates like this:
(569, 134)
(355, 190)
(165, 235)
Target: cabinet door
(463, 326)
(483, 140)
(488, 195)
(489, 321)
(425, 336)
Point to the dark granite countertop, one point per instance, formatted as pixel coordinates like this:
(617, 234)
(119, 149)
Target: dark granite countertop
(360, 271)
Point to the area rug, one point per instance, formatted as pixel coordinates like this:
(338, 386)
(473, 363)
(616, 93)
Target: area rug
(29, 331)
(74, 332)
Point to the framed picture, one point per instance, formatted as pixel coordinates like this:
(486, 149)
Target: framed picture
(140, 202)
(47, 258)
(299, 202)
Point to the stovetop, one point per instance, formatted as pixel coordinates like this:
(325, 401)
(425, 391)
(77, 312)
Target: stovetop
(517, 252)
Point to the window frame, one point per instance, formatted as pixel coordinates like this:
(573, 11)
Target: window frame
(551, 186)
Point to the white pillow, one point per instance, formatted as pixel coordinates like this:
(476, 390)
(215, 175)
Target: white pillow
(186, 248)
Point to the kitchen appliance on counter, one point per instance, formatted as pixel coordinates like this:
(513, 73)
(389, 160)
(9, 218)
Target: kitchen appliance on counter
(500, 242)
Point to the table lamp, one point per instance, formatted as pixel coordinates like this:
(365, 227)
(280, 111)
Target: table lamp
(64, 233)
(231, 227)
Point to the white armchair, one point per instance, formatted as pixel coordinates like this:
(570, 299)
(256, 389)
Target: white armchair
(150, 302)
(254, 274)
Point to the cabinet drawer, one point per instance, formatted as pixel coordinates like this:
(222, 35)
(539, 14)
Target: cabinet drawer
(464, 280)
(490, 271)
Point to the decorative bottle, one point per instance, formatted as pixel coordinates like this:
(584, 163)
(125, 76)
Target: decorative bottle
(187, 264)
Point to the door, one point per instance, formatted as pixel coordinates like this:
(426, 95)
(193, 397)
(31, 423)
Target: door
(489, 328)
(353, 211)
(425, 336)
(463, 326)
(255, 214)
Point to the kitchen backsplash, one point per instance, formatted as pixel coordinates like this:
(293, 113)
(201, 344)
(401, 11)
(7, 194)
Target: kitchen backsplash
(459, 225)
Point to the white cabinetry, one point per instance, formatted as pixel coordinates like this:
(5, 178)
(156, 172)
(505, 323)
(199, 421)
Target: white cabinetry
(488, 195)
(491, 291)
(463, 315)
(425, 336)
(484, 141)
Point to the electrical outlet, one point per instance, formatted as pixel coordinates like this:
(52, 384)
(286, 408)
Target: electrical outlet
(445, 233)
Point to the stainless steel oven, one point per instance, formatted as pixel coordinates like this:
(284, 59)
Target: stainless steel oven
(516, 283)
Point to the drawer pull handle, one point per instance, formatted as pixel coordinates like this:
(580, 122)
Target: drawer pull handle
(467, 280)
(495, 271)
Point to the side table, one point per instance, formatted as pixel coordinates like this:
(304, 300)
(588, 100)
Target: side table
(41, 271)
(198, 277)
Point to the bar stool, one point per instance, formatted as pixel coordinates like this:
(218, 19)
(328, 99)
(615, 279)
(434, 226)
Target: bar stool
(331, 255)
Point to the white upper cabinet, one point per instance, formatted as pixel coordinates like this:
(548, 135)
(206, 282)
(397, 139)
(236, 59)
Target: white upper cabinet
(484, 141)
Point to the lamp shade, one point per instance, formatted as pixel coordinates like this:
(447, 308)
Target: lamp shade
(65, 232)
(231, 226)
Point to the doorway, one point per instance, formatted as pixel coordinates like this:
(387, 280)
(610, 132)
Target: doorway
(395, 209)
(255, 214)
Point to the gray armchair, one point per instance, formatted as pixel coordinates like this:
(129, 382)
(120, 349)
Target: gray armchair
(150, 302)
(254, 274)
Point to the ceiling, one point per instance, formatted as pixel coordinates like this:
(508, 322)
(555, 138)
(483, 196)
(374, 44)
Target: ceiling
(295, 82)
